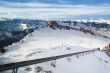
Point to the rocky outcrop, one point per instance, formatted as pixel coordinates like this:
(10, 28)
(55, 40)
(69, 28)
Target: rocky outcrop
(2, 50)
(107, 47)
(87, 31)
(17, 36)
(55, 25)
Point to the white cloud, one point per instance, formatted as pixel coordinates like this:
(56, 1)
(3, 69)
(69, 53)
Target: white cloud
(49, 10)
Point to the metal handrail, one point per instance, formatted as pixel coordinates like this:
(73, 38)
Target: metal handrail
(17, 65)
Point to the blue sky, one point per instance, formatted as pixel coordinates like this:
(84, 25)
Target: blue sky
(55, 9)
(64, 1)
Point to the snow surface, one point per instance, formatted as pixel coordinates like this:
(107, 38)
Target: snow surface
(23, 26)
(47, 42)
(97, 20)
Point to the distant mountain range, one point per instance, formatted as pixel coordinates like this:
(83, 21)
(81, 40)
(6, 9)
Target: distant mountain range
(17, 29)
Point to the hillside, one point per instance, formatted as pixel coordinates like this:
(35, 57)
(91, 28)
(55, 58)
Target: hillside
(55, 39)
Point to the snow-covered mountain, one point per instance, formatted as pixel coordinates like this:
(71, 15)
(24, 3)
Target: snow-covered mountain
(61, 37)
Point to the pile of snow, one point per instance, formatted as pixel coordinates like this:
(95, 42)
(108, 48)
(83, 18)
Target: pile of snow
(23, 26)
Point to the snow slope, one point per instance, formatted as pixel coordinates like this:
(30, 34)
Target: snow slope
(47, 42)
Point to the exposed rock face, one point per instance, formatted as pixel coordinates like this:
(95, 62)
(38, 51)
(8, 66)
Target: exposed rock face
(107, 48)
(55, 25)
(16, 37)
(2, 50)
(87, 31)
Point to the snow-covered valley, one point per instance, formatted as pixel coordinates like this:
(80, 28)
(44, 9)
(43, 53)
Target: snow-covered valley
(47, 42)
